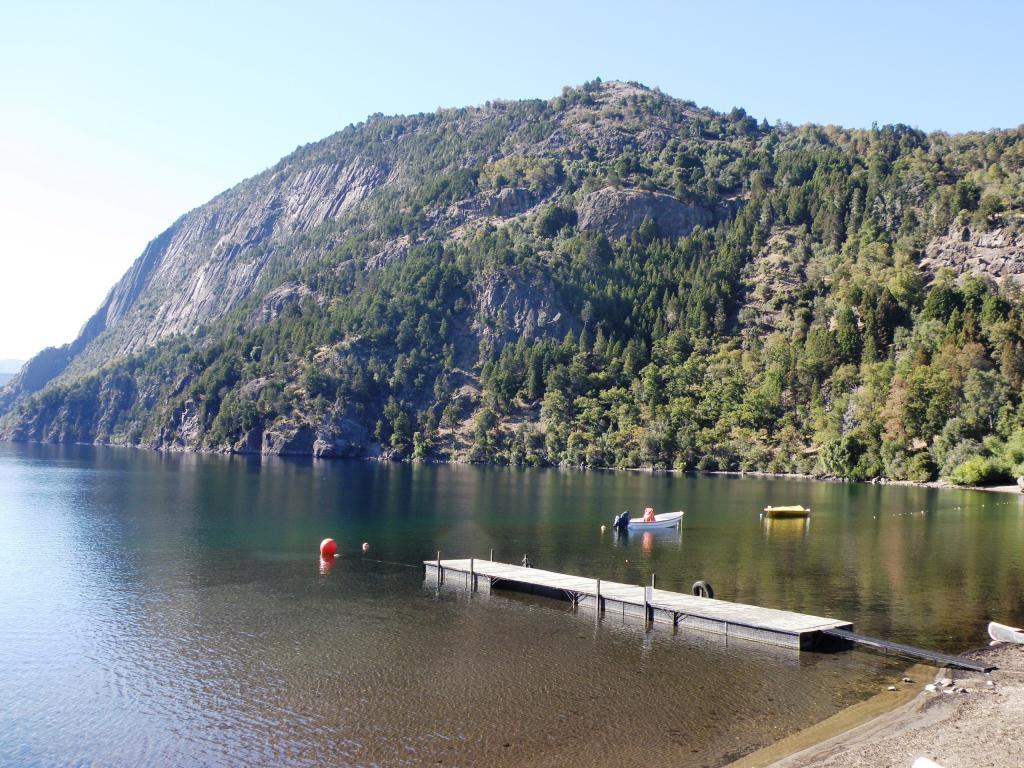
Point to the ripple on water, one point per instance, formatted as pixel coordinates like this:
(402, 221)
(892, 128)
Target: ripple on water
(185, 619)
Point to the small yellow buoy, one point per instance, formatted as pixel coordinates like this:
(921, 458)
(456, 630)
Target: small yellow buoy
(602, 529)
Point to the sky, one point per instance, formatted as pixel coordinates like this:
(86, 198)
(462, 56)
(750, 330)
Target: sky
(116, 118)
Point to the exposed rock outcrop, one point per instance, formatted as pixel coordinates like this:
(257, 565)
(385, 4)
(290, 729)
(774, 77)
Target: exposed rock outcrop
(509, 201)
(288, 439)
(620, 212)
(208, 262)
(276, 301)
(510, 306)
(342, 439)
(997, 254)
(212, 258)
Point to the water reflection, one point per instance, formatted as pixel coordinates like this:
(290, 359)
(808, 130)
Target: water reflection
(786, 528)
(186, 619)
(647, 540)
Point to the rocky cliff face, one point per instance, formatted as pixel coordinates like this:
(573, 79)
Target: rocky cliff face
(620, 212)
(997, 254)
(212, 259)
(207, 263)
(511, 306)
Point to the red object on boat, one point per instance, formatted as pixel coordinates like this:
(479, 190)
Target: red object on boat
(328, 548)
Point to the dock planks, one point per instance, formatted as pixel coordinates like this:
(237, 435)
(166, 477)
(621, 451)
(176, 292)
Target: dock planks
(734, 620)
(749, 622)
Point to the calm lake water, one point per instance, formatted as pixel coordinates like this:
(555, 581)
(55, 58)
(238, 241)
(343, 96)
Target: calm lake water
(168, 609)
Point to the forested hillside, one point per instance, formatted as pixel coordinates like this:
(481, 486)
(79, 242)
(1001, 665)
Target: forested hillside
(613, 277)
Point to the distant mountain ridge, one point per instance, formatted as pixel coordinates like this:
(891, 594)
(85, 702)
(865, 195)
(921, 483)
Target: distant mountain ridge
(8, 368)
(410, 286)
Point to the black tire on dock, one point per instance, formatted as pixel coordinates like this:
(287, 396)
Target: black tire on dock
(703, 589)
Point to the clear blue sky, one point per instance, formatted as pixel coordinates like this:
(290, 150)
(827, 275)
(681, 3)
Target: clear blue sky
(118, 117)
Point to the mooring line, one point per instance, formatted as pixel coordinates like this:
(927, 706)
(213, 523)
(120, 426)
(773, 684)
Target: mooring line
(391, 562)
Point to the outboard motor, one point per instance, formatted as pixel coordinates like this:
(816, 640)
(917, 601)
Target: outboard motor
(621, 522)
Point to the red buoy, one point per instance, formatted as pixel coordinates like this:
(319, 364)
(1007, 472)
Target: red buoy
(328, 548)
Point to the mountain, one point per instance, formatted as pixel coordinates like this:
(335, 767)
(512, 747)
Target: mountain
(612, 277)
(8, 368)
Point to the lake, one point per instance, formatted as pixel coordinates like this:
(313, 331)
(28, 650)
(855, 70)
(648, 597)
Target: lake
(172, 609)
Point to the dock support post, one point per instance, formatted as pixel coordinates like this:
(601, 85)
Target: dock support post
(647, 605)
(492, 556)
(472, 575)
(598, 604)
(653, 577)
(439, 569)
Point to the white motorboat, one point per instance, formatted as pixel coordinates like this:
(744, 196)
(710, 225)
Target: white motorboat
(664, 520)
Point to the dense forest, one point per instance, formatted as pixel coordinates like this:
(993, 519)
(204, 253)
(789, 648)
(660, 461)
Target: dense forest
(613, 278)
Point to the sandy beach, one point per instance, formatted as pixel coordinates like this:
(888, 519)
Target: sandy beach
(969, 719)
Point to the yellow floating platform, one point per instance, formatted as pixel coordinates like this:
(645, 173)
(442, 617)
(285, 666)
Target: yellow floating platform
(792, 511)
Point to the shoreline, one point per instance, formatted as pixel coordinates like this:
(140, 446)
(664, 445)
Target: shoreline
(971, 720)
(936, 484)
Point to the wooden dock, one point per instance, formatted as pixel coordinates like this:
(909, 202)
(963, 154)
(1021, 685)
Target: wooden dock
(748, 622)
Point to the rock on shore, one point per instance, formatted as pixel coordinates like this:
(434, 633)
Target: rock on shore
(973, 720)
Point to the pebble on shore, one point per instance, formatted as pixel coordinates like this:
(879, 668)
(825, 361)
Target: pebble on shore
(983, 729)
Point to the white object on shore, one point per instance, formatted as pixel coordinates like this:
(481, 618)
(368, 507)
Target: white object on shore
(930, 687)
(924, 762)
(1004, 633)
